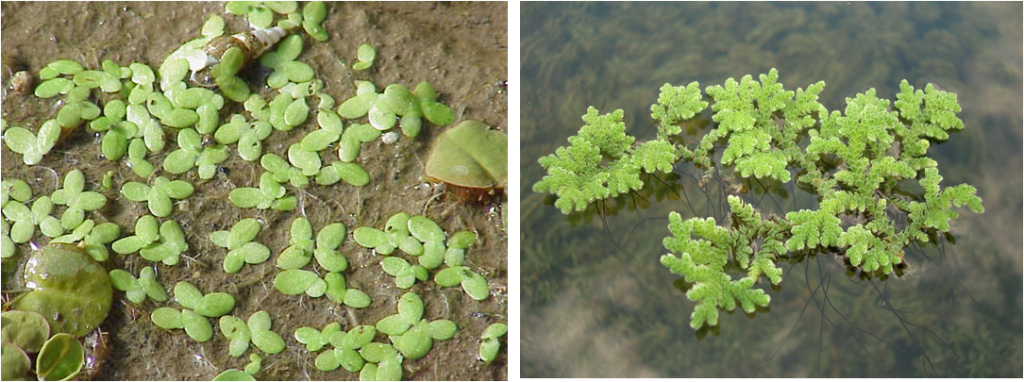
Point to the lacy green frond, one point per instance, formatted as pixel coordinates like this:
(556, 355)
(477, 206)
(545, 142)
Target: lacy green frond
(798, 110)
(812, 228)
(863, 246)
(856, 162)
(573, 175)
(713, 251)
(744, 143)
(655, 155)
(764, 261)
(623, 176)
(936, 117)
(764, 163)
(744, 214)
(735, 107)
(607, 132)
(713, 289)
(867, 121)
(676, 104)
(842, 201)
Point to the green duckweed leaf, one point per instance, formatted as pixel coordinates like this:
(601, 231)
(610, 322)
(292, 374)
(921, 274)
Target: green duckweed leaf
(261, 16)
(234, 374)
(450, 277)
(454, 257)
(187, 295)
(147, 282)
(433, 254)
(167, 318)
(489, 349)
(389, 369)
(197, 327)
(424, 229)
(475, 286)
(393, 325)
(235, 330)
(416, 342)
(357, 298)
(376, 351)
(359, 336)
(366, 54)
(215, 304)
(462, 240)
(410, 307)
(442, 329)
(268, 341)
(495, 330)
(294, 281)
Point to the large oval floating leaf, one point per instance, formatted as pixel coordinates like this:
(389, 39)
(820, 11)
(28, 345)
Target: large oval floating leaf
(470, 155)
(60, 359)
(16, 363)
(28, 330)
(70, 289)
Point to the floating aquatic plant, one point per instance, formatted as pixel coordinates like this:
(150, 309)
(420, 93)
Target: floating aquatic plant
(77, 200)
(32, 146)
(365, 54)
(851, 163)
(136, 289)
(154, 241)
(241, 247)
(470, 155)
(93, 237)
(474, 284)
(384, 109)
(26, 219)
(270, 194)
(248, 135)
(489, 341)
(265, 339)
(158, 196)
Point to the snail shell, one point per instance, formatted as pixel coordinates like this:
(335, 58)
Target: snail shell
(252, 44)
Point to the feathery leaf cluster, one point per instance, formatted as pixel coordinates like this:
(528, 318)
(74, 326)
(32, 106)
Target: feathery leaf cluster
(855, 160)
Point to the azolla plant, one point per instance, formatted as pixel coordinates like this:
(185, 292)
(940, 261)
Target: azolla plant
(860, 163)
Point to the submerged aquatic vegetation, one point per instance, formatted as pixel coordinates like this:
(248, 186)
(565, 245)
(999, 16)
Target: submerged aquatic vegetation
(852, 163)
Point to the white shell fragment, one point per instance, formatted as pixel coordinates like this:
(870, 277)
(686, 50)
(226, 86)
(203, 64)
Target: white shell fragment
(389, 137)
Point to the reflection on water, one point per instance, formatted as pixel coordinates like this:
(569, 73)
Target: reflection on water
(596, 301)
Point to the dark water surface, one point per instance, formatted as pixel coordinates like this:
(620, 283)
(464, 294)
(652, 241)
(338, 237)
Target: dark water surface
(590, 310)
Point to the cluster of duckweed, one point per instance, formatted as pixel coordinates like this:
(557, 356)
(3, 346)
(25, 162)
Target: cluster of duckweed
(137, 105)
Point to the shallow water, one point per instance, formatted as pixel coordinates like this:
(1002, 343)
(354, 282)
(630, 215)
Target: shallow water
(459, 48)
(592, 310)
